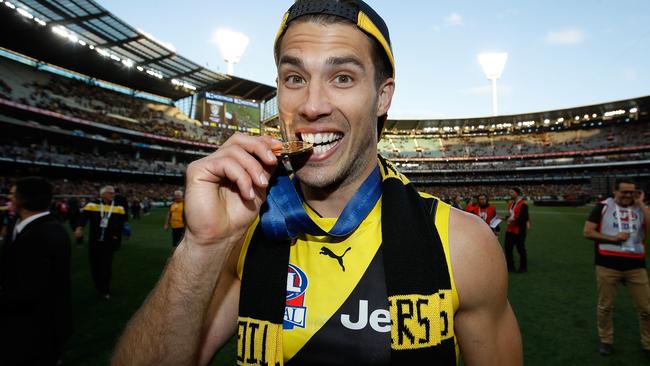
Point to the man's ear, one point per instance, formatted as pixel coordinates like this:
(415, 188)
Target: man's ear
(385, 96)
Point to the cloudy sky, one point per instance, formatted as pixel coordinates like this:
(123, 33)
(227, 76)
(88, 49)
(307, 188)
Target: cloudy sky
(561, 53)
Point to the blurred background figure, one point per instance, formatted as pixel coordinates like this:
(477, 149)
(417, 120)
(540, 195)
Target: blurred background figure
(486, 212)
(516, 232)
(176, 218)
(106, 222)
(457, 202)
(74, 217)
(35, 301)
(618, 226)
(136, 208)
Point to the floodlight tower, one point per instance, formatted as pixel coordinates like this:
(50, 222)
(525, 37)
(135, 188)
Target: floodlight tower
(232, 46)
(493, 64)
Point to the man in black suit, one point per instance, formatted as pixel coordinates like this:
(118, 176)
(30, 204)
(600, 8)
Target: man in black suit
(35, 303)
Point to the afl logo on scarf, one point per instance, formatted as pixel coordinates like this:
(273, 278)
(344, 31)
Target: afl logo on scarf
(294, 312)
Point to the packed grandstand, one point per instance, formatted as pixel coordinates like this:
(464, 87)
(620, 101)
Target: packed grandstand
(83, 127)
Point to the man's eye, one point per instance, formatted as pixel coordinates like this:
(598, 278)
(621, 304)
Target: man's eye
(343, 79)
(294, 79)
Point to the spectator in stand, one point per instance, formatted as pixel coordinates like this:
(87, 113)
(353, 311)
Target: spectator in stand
(516, 232)
(106, 221)
(35, 301)
(176, 218)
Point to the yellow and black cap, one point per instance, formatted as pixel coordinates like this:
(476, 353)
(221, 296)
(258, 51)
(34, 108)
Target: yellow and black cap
(356, 11)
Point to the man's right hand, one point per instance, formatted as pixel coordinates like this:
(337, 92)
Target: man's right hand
(621, 237)
(225, 190)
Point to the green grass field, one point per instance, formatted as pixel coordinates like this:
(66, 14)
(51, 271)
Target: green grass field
(554, 303)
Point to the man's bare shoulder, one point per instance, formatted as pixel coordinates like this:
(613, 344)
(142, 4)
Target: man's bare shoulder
(477, 260)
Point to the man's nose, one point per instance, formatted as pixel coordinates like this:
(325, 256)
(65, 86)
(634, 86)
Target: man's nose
(316, 103)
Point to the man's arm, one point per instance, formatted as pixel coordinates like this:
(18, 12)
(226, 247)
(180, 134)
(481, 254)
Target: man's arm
(523, 215)
(78, 233)
(590, 230)
(639, 201)
(168, 328)
(485, 324)
(168, 218)
(224, 193)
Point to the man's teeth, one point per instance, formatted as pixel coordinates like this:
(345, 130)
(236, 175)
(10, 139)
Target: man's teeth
(320, 138)
(321, 149)
(323, 142)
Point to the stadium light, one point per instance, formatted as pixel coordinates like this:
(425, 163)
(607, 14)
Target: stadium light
(25, 13)
(232, 46)
(493, 64)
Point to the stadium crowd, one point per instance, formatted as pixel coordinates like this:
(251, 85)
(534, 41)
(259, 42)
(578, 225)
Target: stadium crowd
(510, 164)
(574, 140)
(79, 99)
(532, 191)
(89, 189)
(69, 155)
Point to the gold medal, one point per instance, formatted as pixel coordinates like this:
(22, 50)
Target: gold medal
(290, 148)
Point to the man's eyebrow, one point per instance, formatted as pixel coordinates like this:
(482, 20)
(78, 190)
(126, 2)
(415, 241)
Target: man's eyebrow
(338, 61)
(291, 60)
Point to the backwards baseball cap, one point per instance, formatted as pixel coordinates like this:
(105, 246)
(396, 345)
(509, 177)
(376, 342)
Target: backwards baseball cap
(356, 11)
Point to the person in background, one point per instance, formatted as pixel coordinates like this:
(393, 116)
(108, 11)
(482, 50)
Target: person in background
(106, 222)
(136, 208)
(35, 295)
(486, 212)
(176, 218)
(518, 222)
(457, 202)
(74, 216)
(619, 226)
(472, 205)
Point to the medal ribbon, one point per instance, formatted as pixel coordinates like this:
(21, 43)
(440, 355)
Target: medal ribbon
(102, 216)
(284, 217)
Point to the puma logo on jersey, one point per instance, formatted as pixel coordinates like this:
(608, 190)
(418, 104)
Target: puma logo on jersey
(326, 251)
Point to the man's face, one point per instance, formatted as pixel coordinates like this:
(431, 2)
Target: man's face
(326, 88)
(178, 197)
(12, 198)
(108, 195)
(513, 194)
(482, 201)
(624, 195)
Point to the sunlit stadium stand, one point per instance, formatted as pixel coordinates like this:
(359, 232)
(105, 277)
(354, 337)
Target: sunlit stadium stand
(85, 97)
(101, 98)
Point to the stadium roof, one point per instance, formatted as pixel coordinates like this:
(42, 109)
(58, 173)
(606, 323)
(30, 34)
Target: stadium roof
(82, 36)
(639, 107)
